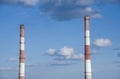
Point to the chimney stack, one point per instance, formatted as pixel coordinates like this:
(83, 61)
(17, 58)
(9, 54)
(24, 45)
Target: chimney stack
(22, 57)
(87, 48)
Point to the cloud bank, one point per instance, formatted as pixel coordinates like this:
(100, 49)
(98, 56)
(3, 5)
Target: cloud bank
(51, 51)
(64, 9)
(102, 42)
(65, 53)
(69, 9)
(20, 2)
(64, 56)
(60, 9)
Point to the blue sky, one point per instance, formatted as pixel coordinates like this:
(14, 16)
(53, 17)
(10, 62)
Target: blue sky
(54, 43)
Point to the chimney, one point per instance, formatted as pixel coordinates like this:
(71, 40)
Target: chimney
(87, 48)
(22, 57)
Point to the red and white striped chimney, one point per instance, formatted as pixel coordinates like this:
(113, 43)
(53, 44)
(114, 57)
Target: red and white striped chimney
(87, 48)
(22, 57)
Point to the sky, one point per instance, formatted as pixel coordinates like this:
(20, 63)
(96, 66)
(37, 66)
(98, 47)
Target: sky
(54, 38)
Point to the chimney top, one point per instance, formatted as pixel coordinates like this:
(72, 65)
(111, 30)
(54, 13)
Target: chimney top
(86, 17)
(21, 26)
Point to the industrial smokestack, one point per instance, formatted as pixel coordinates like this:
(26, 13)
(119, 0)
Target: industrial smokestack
(22, 57)
(87, 48)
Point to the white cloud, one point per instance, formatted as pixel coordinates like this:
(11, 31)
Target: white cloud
(51, 51)
(64, 56)
(88, 9)
(12, 59)
(79, 56)
(102, 42)
(97, 15)
(84, 2)
(29, 2)
(22, 2)
(67, 53)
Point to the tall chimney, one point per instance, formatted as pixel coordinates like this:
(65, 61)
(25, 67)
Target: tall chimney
(87, 48)
(22, 57)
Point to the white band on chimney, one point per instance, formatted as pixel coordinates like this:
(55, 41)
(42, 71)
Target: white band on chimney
(22, 43)
(22, 39)
(89, 74)
(87, 37)
(21, 46)
(88, 66)
(87, 33)
(87, 41)
(22, 69)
